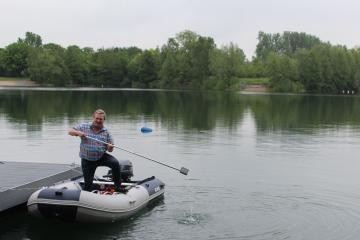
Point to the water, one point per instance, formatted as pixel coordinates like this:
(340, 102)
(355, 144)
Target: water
(261, 166)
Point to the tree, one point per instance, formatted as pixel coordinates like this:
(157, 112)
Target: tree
(226, 64)
(143, 69)
(77, 62)
(15, 59)
(328, 69)
(310, 68)
(110, 69)
(2, 63)
(284, 73)
(287, 43)
(185, 60)
(169, 72)
(200, 61)
(266, 44)
(55, 47)
(31, 40)
(47, 66)
(355, 68)
(293, 41)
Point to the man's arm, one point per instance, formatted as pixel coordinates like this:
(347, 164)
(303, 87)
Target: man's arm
(76, 133)
(110, 140)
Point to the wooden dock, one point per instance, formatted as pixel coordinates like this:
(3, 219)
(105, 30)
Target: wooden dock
(18, 180)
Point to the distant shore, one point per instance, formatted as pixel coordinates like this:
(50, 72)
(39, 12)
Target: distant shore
(4, 82)
(255, 88)
(28, 83)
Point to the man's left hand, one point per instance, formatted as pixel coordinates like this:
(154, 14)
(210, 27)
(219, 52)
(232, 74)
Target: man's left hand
(110, 147)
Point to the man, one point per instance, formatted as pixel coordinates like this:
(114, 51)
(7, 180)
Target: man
(93, 153)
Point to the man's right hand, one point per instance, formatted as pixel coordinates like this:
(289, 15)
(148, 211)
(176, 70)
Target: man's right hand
(81, 134)
(74, 132)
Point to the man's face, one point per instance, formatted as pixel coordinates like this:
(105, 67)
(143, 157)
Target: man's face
(98, 120)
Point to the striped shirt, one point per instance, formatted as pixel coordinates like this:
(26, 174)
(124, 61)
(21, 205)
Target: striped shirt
(89, 149)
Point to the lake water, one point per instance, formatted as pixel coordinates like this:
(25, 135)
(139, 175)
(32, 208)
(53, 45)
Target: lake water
(261, 166)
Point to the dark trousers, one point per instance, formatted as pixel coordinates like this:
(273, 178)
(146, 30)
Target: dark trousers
(89, 167)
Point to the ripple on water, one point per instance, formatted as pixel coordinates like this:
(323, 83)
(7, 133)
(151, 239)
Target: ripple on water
(304, 213)
(278, 211)
(191, 218)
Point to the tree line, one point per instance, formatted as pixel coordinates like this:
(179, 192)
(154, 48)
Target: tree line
(302, 63)
(293, 62)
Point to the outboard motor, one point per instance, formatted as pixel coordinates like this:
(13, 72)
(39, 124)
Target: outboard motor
(126, 171)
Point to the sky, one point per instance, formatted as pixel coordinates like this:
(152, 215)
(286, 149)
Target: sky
(150, 23)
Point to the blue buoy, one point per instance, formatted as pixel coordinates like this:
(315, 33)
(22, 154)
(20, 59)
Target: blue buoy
(146, 130)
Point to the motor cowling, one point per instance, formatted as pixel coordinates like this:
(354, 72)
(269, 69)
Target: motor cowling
(126, 171)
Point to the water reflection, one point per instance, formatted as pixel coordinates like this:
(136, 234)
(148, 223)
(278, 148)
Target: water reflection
(190, 110)
(18, 224)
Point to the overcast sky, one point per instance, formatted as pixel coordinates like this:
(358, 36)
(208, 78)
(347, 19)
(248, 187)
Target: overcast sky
(149, 23)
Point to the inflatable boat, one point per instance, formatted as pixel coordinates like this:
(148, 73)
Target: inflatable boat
(68, 200)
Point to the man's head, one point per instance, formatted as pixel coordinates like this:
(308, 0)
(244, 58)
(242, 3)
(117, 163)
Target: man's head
(99, 118)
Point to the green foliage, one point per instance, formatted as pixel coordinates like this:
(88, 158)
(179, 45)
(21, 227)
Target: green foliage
(143, 69)
(287, 43)
(329, 69)
(226, 64)
(169, 71)
(185, 60)
(261, 81)
(54, 47)
(78, 65)
(297, 61)
(290, 62)
(2, 62)
(47, 66)
(31, 40)
(110, 69)
(355, 68)
(283, 72)
(14, 59)
(255, 69)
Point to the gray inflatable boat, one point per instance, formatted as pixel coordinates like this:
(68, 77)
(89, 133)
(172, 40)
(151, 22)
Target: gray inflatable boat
(68, 200)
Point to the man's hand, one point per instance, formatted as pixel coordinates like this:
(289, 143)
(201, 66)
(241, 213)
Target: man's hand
(74, 132)
(81, 134)
(110, 147)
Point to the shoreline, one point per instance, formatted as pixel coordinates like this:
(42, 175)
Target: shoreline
(255, 88)
(18, 83)
(251, 88)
